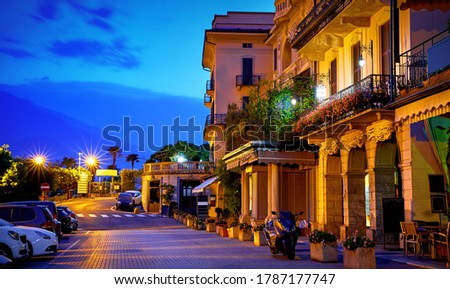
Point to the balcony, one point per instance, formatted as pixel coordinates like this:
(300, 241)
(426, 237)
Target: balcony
(210, 87)
(252, 80)
(215, 119)
(423, 61)
(177, 168)
(372, 92)
(329, 21)
(207, 100)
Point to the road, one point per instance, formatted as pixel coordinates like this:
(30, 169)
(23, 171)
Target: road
(110, 239)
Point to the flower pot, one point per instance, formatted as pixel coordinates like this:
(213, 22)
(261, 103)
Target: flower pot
(259, 239)
(233, 232)
(210, 227)
(222, 231)
(361, 258)
(245, 235)
(325, 252)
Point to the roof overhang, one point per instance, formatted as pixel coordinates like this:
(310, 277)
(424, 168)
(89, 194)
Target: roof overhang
(200, 188)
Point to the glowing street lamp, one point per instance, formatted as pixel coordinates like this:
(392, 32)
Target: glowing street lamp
(39, 162)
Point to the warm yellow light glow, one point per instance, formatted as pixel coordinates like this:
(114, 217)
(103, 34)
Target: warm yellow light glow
(39, 160)
(91, 161)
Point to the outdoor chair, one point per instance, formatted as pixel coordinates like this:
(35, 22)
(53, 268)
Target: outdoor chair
(441, 241)
(414, 240)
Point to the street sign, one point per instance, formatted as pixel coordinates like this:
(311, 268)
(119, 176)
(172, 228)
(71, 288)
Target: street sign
(45, 187)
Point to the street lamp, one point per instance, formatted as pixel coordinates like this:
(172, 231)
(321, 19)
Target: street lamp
(39, 162)
(79, 161)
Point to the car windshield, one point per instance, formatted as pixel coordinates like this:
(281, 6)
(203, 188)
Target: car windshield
(4, 223)
(125, 196)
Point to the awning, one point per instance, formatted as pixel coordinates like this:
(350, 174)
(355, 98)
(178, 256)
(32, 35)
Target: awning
(443, 5)
(205, 184)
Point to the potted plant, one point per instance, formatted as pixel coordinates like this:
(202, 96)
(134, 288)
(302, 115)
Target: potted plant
(221, 228)
(258, 235)
(210, 225)
(359, 252)
(245, 231)
(167, 193)
(233, 229)
(323, 246)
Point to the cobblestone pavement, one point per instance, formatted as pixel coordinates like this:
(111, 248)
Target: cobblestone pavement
(171, 245)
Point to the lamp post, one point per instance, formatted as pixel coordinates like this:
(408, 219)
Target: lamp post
(369, 49)
(92, 164)
(39, 162)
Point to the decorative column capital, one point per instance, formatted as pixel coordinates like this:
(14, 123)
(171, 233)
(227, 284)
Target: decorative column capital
(329, 147)
(353, 139)
(380, 130)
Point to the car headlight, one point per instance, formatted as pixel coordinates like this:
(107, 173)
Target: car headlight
(42, 235)
(14, 235)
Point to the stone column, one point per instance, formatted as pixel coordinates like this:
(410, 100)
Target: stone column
(245, 198)
(145, 192)
(269, 190)
(404, 143)
(274, 187)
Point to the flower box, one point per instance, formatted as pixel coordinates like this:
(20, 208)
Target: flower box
(360, 258)
(222, 231)
(245, 235)
(259, 239)
(233, 232)
(325, 252)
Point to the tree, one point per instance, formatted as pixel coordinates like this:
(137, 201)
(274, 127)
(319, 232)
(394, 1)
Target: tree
(191, 152)
(114, 151)
(231, 182)
(129, 178)
(133, 158)
(6, 159)
(65, 178)
(68, 162)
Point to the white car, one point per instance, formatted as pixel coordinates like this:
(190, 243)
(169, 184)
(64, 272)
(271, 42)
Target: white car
(137, 197)
(13, 243)
(39, 241)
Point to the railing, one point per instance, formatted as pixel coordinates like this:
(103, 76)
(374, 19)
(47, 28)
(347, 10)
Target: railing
(210, 84)
(176, 167)
(320, 15)
(207, 99)
(373, 91)
(217, 119)
(247, 81)
(414, 63)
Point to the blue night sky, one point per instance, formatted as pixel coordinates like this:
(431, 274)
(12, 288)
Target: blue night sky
(154, 45)
(93, 63)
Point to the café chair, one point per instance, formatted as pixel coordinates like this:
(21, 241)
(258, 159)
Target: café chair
(441, 241)
(414, 239)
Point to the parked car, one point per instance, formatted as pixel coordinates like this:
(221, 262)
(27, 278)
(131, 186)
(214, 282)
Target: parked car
(5, 262)
(66, 221)
(72, 215)
(39, 241)
(31, 216)
(13, 243)
(129, 199)
(50, 205)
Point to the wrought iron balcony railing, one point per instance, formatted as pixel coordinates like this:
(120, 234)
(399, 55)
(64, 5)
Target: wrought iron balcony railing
(252, 80)
(215, 119)
(373, 91)
(414, 66)
(177, 167)
(210, 85)
(320, 15)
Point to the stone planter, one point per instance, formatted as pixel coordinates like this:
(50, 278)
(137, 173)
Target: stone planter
(361, 258)
(325, 252)
(245, 235)
(222, 231)
(210, 227)
(259, 239)
(233, 232)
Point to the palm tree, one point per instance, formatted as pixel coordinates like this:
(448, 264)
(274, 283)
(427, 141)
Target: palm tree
(133, 158)
(69, 162)
(114, 151)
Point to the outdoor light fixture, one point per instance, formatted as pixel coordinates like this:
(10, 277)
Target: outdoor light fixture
(369, 50)
(294, 101)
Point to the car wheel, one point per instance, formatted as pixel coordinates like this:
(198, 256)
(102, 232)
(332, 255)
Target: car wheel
(30, 250)
(5, 251)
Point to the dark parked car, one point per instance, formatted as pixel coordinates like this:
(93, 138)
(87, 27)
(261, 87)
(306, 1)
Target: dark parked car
(66, 221)
(31, 216)
(72, 215)
(51, 205)
(128, 200)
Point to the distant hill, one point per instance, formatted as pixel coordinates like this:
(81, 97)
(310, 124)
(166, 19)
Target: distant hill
(68, 117)
(29, 129)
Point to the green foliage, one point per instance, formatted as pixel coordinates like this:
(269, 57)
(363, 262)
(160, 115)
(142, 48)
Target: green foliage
(129, 178)
(355, 241)
(270, 113)
(65, 178)
(6, 159)
(168, 191)
(191, 152)
(231, 182)
(320, 236)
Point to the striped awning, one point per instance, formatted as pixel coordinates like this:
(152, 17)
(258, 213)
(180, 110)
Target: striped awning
(443, 5)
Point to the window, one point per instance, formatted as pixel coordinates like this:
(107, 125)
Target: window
(275, 62)
(244, 102)
(356, 54)
(247, 71)
(385, 49)
(247, 45)
(27, 214)
(333, 77)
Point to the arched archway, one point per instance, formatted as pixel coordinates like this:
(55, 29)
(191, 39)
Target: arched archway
(287, 55)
